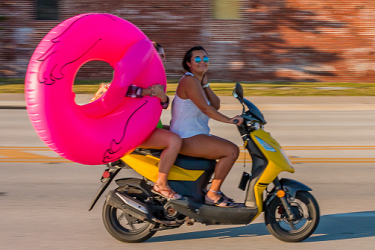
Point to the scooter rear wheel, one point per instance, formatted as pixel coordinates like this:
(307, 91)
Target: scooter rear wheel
(123, 226)
(307, 210)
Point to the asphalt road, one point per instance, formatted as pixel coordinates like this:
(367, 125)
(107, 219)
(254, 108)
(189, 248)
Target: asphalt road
(44, 199)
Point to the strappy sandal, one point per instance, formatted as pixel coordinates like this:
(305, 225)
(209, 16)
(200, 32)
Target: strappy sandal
(226, 197)
(219, 192)
(218, 203)
(170, 194)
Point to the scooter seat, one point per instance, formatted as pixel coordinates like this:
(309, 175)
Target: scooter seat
(191, 189)
(182, 161)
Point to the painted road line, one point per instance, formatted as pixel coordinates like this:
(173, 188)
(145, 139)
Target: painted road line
(37, 161)
(14, 147)
(329, 148)
(12, 154)
(21, 154)
(29, 154)
(325, 148)
(331, 160)
(293, 160)
(322, 160)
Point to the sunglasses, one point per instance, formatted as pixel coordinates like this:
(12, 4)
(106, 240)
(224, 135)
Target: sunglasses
(198, 59)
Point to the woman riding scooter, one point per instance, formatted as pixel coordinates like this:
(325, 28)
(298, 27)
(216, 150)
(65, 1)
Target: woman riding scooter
(160, 138)
(193, 105)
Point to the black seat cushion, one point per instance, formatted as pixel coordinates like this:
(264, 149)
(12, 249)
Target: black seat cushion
(183, 161)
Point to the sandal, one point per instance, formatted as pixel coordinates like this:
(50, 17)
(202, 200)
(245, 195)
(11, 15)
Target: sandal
(226, 197)
(168, 193)
(219, 192)
(222, 202)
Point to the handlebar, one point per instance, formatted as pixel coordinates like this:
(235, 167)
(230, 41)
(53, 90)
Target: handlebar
(235, 121)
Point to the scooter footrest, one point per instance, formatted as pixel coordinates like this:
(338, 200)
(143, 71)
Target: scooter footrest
(213, 215)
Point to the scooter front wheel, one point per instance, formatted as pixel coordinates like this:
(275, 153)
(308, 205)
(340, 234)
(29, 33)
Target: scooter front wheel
(124, 227)
(306, 210)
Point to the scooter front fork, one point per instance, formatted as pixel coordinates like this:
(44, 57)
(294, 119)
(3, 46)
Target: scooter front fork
(280, 193)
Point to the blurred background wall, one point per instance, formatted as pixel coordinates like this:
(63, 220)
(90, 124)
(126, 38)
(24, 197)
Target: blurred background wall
(247, 40)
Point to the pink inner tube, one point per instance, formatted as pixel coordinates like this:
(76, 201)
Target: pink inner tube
(112, 126)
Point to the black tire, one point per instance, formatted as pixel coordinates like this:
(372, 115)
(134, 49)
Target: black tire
(307, 209)
(123, 226)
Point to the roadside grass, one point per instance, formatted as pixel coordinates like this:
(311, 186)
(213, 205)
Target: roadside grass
(10, 85)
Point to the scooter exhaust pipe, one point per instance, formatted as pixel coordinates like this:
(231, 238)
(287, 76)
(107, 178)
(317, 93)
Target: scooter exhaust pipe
(129, 205)
(136, 208)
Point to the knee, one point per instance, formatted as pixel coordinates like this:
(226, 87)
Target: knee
(174, 141)
(233, 152)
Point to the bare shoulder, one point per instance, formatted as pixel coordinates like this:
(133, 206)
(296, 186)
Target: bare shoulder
(187, 86)
(189, 81)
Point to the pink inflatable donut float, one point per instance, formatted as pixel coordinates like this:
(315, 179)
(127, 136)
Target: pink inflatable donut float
(104, 130)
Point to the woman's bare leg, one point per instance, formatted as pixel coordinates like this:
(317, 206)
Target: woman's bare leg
(171, 143)
(212, 147)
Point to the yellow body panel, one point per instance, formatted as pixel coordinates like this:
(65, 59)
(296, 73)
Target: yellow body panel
(147, 166)
(277, 163)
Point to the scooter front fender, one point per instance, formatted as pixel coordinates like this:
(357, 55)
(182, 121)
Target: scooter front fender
(292, 187)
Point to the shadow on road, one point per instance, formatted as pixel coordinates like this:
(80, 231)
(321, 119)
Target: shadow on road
(331, 227)
(345, 226)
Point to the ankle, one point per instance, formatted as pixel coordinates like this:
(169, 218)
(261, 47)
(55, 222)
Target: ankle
(161, 184)
(212, 195)
(213, 191)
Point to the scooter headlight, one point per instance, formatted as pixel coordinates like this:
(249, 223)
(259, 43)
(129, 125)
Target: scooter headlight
(265, 145)
(253, 125)
(256, 125)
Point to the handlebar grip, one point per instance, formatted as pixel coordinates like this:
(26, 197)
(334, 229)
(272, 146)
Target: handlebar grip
(235, 121)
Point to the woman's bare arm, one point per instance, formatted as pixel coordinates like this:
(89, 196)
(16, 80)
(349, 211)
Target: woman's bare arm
(212, 97)
(191, 88)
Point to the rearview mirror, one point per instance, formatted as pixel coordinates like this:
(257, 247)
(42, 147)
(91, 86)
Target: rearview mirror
(238, 92)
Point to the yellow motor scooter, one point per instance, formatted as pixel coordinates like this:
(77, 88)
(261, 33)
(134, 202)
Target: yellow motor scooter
(132, 213)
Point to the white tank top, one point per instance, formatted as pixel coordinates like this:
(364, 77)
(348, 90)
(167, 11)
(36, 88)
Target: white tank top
(187, 119)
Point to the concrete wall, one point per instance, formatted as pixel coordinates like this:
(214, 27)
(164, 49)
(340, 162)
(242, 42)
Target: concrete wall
(272, 40)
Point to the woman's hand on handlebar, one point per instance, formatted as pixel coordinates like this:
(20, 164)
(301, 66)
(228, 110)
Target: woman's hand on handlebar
(238, 120)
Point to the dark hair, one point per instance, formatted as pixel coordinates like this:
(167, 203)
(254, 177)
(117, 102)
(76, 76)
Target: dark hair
(188, 55)
(157, 46)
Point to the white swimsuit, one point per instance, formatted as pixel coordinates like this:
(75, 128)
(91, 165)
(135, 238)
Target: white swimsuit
(187, 119)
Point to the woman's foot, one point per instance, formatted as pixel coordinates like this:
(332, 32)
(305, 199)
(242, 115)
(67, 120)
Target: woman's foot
(226, 197)
(221, 202)
(216, 198)
(166, 192)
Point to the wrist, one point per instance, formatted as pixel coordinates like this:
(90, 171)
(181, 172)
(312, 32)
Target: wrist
(146, 92)
(206, 85)
(164, 98)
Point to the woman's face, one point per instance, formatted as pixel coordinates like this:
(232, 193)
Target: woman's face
(202, 65)
(162, 55)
